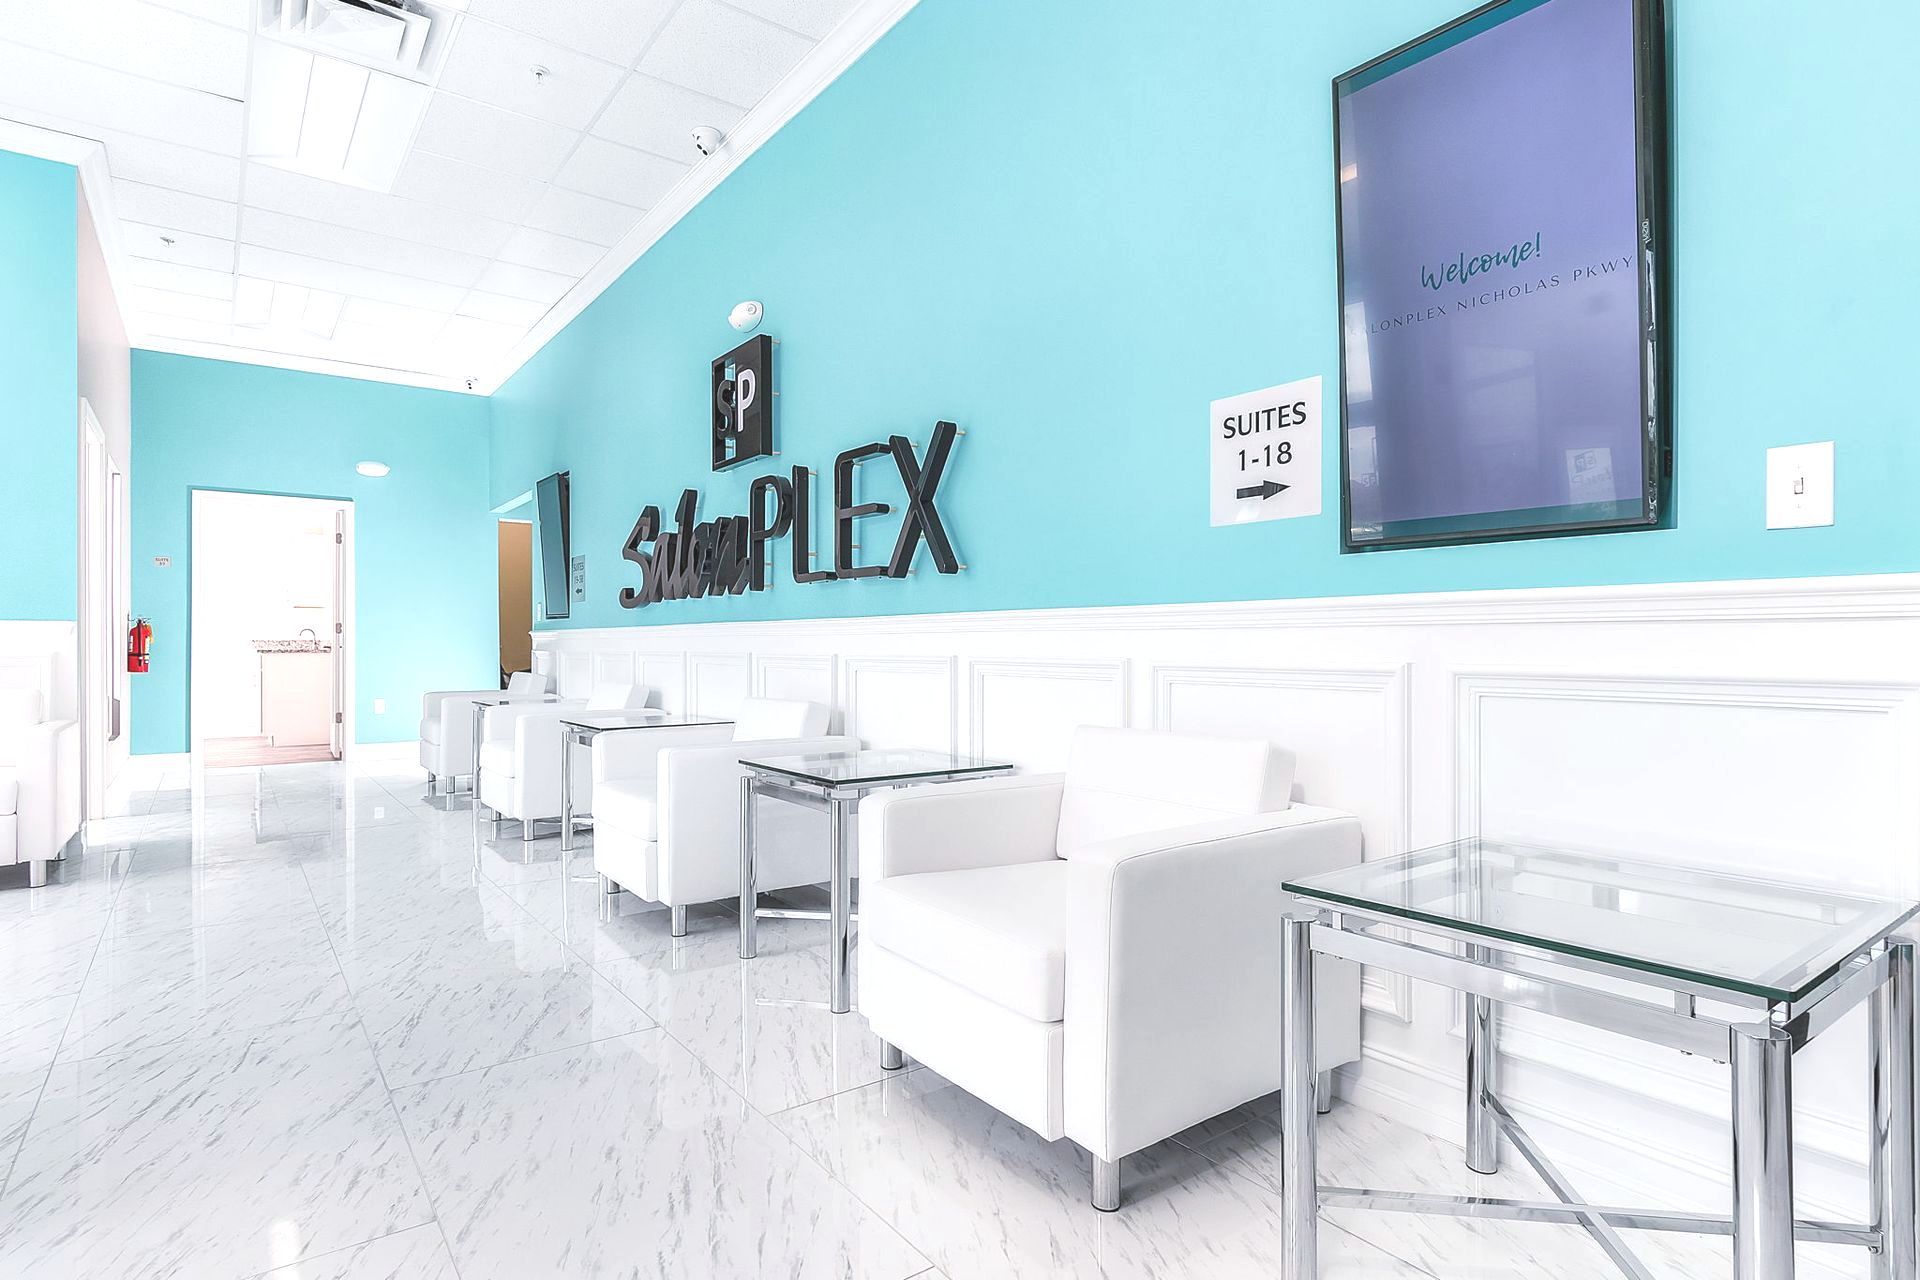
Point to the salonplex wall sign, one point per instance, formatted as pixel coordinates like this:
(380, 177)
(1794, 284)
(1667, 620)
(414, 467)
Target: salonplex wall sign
(729, 554)
(1265, 454)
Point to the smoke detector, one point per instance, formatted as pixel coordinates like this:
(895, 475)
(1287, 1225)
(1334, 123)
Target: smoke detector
(707, 139)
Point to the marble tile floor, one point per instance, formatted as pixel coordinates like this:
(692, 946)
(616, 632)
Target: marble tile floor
(289, 1022)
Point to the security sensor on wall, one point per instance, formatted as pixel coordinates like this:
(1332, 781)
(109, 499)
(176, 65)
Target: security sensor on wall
(746, 316)
(707, 139)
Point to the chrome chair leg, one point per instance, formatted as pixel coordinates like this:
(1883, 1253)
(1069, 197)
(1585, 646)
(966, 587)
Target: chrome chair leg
(1106, 1185)
(891, 1059)
(679, 922)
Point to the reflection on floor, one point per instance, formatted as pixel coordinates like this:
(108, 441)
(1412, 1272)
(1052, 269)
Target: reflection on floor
(287, 1022)
(233, 753)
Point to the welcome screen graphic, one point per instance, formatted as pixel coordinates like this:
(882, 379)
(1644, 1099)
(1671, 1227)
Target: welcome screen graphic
(1492, 309)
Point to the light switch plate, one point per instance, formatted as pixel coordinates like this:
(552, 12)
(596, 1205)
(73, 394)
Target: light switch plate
(1800, 486)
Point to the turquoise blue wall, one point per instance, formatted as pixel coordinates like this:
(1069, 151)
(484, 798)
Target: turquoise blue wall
(1069, 233)
(39, 389)
(424, 563)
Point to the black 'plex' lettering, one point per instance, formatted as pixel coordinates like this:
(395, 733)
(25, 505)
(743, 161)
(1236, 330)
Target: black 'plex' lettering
(727, 555)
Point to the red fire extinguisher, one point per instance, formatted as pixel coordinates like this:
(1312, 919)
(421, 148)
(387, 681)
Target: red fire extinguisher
(139, 645)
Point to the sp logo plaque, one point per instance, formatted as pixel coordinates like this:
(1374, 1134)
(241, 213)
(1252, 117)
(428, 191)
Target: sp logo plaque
(743, 403)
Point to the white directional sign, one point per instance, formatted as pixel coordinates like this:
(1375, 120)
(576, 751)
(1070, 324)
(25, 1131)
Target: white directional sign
(1266, 453)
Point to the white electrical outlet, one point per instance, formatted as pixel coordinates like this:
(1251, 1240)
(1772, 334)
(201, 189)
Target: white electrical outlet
(1800, 486)
(379, 706)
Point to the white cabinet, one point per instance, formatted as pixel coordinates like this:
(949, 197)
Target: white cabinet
(296, 698)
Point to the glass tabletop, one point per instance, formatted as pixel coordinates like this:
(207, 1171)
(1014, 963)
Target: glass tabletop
(872, 768)
(1740, 934)
(509, 699)
(645, 718)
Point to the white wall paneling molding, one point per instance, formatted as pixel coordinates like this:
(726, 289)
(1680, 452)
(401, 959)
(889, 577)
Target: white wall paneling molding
(1701, 722)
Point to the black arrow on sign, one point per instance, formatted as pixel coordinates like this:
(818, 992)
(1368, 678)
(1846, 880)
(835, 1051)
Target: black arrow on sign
(1265, 489)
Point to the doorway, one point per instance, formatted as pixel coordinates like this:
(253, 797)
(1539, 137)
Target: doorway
(271, 629)
(516, 597)
(103, 620)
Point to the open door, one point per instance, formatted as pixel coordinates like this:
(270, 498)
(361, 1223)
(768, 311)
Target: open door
(339, 739)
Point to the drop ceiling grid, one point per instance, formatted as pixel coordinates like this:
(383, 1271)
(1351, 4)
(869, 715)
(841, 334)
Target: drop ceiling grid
(577, 171)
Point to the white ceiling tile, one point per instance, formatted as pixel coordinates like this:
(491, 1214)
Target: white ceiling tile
(159, 207)
(174, 277)
(339, 277)
(533, 248)
(659, 117)
(814, 18)
(495, 65)
(146, 40)
(613, 172)
(314, 239)
(584, 217)
(722, 52)
(161, 302)
(503, 310)
(48, 83)
(524, 282)
(615, 30)
(363, 210)
(187, 249)
(168, 164)
(233, 13)
(476, 341)
(370, 313)
(438, 180)
(473, 132)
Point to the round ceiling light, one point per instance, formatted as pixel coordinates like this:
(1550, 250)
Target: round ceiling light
(374, 469)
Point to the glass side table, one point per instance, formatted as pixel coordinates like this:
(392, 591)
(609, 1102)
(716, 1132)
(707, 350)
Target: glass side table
(834, 782)
(1512, 924)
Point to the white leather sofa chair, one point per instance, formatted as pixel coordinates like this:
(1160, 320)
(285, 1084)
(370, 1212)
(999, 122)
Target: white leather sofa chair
(519, 760)
(446, 726)
(39, 783)
(1097, 953)
(666, 822)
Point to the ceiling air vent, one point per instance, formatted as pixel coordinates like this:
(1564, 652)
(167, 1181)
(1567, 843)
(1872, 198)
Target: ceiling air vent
(407, 39)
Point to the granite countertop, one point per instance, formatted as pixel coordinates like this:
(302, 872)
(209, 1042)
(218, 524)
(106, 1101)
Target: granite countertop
(291, 646)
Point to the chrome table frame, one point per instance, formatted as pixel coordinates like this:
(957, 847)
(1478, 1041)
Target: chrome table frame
(841, 804)
(1758, 1042)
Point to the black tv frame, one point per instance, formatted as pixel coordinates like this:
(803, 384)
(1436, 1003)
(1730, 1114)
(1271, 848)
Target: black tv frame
(1652, 202)
(563, 484)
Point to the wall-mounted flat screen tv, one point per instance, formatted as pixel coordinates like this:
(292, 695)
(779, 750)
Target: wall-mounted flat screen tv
(1501, 220)
(551, 500)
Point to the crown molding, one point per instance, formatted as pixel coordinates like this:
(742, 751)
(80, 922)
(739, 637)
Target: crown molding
(824, 64)
(304, 364)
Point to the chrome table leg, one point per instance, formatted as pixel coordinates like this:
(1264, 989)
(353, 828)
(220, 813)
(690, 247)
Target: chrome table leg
(1890, 1136)
(1483, 1126)
(1762, 1155)
(841, 905)
(1299, 1177)
(749, 895)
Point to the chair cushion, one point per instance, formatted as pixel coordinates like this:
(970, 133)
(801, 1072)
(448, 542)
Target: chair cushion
(19, 709)
(9, 791)
(430, 729)
(497, 758)
(1000, 932)
(629, 804)
(1123, 782)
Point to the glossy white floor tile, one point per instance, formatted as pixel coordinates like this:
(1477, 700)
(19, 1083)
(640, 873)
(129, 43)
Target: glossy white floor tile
(294, 1023)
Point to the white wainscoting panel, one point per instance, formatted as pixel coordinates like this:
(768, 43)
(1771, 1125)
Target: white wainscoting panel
(1770, 726)
(1025, 710)
(902, 702)
(716, 682)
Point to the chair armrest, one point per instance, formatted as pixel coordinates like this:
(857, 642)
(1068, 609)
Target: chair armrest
(698, 792)
(47, 769)
(953, 826)
(430, 702)
(623, 753)
(1173, 972)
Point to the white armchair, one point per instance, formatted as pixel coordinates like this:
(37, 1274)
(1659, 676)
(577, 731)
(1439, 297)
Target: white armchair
(39, 783)
(446, 725)
(1097, 953)
(666, 823)
(519, 759)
